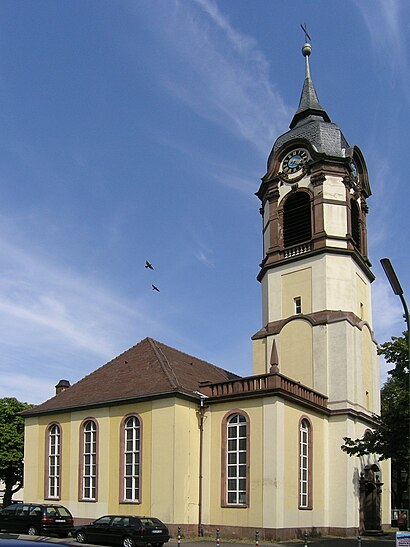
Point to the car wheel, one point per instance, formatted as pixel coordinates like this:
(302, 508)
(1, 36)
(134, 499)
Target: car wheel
(32, 531)
(128, 542)
(81, 537)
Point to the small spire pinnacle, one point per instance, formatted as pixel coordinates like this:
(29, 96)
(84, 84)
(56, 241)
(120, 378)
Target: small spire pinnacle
(274, 359)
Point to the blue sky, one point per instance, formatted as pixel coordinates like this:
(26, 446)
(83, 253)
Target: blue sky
(134, 130)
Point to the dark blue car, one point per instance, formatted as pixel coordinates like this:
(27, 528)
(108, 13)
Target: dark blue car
(124, 530)
(36, 519)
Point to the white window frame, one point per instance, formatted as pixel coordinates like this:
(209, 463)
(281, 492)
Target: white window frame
(304, 464)
(132, 459)
(298, 304)
(236, 460)
(54, 455)
(89, 479)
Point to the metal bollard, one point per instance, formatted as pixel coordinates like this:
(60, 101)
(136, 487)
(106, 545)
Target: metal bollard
(217, 537)
(305, 539)
(179, 536)
(359, 541)
(257, 538)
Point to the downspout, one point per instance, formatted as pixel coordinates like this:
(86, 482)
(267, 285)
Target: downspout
(201, 443)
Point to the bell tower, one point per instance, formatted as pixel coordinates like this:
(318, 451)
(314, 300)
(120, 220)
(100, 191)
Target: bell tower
(315, 273)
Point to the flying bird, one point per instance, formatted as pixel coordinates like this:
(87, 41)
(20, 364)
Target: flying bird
(149, 265)
(154, 288)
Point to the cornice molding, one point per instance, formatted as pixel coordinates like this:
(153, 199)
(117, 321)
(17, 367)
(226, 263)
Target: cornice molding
(324, 317)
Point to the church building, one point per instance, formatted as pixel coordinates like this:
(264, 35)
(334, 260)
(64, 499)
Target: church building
(158, 432)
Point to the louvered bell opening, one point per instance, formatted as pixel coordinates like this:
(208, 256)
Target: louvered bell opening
(297, 224)
(355, 215)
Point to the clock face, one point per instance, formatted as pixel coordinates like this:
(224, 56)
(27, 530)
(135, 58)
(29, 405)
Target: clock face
(294, 161)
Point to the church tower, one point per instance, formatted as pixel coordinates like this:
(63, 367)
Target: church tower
(315, 272)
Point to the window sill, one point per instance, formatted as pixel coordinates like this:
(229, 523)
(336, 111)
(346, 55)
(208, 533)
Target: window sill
(235, 505)
(130, 502)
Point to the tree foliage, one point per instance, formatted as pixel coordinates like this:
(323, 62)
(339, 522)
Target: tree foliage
(390, 437)
(11, 446)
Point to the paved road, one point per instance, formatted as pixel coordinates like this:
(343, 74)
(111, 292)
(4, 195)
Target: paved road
(387, 540)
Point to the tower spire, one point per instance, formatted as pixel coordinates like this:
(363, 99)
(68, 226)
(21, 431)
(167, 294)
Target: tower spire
(309, 103)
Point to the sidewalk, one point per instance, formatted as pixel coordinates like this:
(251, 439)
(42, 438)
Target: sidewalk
(387, 540)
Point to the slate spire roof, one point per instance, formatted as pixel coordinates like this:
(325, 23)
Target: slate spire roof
(311, 121)
(149, 369)
(309, 103)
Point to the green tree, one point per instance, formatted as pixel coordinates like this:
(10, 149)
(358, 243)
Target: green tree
(11, 446)
(390, 437)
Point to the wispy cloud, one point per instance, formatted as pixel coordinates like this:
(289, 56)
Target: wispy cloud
(57, 319)
(387, 23)
(204, 254)
(225, 77)
(239, 176)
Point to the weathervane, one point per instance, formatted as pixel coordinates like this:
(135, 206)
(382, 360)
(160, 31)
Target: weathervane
(307, 37)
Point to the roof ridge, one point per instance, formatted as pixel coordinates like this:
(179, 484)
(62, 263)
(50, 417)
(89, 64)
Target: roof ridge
(165, 364)
(193, 357)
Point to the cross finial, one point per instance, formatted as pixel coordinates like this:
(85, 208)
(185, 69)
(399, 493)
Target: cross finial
(307, 37)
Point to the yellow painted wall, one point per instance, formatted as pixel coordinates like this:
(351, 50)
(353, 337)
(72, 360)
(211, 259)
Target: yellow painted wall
(296, 284)
(363, 305)
(260, 364)
(296, 351)
(32, 467)
(175, 457)
(170, 445)
(368, 350)
(170, 459)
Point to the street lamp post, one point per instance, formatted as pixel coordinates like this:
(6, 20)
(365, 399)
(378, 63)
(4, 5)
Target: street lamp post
(395, 285)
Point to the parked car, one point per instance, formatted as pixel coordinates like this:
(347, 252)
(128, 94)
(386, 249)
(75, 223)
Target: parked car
(124, 530)
(36, 519)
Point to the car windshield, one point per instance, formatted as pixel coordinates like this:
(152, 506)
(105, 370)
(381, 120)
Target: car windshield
(150, 521)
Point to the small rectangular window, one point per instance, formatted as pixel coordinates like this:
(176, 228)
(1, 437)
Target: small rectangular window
(298, 304)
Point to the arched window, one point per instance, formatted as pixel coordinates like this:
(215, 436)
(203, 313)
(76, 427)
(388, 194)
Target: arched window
(131, 459)
(235, 470)
(89, 455)
(297, 222)
(355, 219)
(53, 462)
(305, 464)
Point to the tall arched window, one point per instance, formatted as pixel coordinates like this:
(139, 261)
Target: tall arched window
(89, 461)
(131, 459)
(297, 221)
(53, 462)
(355, 219)
(235, 472)
(305, 464)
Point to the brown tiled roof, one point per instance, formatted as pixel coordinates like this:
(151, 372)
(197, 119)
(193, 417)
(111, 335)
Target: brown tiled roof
(148, 369)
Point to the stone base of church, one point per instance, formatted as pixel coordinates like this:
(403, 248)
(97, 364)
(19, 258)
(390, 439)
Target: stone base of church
(265, 534)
